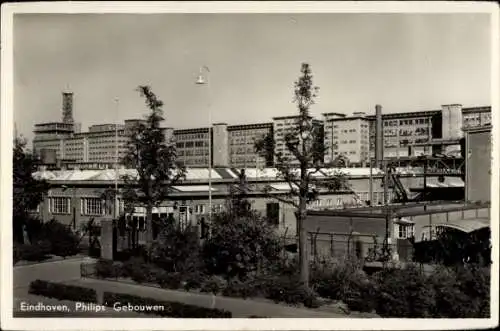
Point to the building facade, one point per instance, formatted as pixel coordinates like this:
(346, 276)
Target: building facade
(284, 125)
(405, 135)
(348, 137)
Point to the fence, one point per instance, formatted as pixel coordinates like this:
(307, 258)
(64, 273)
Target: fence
(363, 247)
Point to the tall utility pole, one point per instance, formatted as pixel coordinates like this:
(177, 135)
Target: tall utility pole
(203, 80)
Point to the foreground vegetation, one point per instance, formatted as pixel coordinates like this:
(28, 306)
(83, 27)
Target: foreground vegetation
(242, 258)
(46, 240)
(83, 294)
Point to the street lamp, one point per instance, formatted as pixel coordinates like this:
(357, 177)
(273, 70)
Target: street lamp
(116, 205)
(203, 80)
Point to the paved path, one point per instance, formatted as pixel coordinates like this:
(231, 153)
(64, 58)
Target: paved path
(239, 307)
(51, 271)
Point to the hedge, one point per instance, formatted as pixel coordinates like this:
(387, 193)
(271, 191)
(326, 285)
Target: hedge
(62, 292)
(171, 309)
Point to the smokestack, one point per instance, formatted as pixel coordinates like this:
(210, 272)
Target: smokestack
(379, 137)
(67, 107)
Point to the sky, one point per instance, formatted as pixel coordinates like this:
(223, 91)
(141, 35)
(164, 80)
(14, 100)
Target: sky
(405, 62)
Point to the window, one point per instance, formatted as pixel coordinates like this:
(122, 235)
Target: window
(406, 231)
(199, 209)
(59, 205)
(273, 213)
(93, 206)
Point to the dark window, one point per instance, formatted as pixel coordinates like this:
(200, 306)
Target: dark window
(273, 213)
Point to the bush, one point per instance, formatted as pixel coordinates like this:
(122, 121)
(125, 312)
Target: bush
(404, 293)
(361, 296)
(62, 292)
(334, 280)
(213, 284)
(36, 252)
(463, 292)
(138, 270)
(108, 269)
(170, 280)
(290, 290)
(176, 250)
(63, 241)
(237, 288)
(193, 280)
(170, 309)
(239, 244)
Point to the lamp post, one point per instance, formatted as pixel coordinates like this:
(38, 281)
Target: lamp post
(203, 80)
(116, 205)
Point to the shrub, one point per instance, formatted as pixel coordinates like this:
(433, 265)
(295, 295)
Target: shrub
(171, 280)
(404, 293)
(360, 296)
(193, 280)
(136, 269)
(63, 241)
(240, 242)
(108, 269)
(170, 309)
(213, 284)
(36, 252)
(289, 290)
(334, 280)
(462, 292)
(62, 292)
(175, 250)
(237, 288)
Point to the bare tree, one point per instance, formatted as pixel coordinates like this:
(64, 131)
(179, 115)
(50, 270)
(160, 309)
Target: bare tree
(299, 168)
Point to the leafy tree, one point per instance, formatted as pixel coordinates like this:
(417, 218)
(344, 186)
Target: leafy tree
(155, 159)
(28, 192)
(305, 143)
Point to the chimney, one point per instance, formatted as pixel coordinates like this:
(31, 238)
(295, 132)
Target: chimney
(67, 107)
(379, 137)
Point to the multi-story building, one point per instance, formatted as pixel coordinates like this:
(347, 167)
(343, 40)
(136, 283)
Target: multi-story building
(242, 139)
(401, 131)
(284, 125)
(232, 145)
(476, 117)
(193, 146)
(348, 137)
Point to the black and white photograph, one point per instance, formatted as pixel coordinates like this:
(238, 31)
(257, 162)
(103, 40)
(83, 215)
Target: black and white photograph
(260, 165)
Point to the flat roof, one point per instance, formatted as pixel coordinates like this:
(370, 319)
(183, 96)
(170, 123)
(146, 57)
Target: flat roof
(402, 210)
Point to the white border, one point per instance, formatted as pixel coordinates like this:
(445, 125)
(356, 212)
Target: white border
(227, 7)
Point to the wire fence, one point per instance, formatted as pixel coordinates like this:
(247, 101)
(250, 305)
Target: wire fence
(362, 247)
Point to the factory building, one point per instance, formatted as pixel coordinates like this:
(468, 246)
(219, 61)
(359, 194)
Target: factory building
(284, 125)
(350, 137)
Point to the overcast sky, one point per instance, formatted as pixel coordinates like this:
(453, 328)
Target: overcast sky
(405, 62)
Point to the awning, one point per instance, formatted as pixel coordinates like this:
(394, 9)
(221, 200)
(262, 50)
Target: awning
(194, 188)
(467, 226)
(403, 220)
